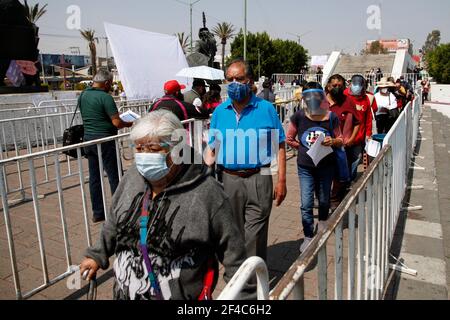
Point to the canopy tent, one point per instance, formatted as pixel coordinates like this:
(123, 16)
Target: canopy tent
(145, 60)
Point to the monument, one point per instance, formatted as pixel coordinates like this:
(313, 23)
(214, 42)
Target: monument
(205, 48)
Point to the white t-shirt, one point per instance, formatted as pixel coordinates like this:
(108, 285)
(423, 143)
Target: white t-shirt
(385, 102)
(197, 102)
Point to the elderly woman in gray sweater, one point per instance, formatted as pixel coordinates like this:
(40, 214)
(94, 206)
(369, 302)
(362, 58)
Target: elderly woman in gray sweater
(170, 222)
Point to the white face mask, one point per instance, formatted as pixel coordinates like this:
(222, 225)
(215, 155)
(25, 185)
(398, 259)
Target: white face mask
(152, 166)
(384, 90)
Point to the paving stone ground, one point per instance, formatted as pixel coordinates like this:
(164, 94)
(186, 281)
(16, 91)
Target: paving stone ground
(422, 239)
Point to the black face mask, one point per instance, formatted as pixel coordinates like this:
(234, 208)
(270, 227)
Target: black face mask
(337, 93)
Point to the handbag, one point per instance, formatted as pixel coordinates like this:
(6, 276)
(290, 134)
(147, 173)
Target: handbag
(74, 135)
(343, 172)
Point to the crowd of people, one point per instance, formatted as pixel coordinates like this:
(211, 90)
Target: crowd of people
(172, 221)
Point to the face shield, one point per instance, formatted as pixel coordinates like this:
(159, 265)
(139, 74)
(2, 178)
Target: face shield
(357, 86)
(315, 102)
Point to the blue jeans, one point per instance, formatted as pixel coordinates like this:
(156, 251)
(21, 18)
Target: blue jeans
(109, 165)
(311, 180)
(354, 157)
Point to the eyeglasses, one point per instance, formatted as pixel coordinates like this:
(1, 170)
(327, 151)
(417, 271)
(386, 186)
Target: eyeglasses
(152, 147)
(238, 79)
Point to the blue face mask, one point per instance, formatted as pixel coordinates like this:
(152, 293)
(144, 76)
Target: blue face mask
(152, 166)
(238, 91)
(356, 89)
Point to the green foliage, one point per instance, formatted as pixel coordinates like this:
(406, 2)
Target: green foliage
(438, 62)
(34, 13)
(184, 41)
(277, 56)
(224, 31)
(432, 42)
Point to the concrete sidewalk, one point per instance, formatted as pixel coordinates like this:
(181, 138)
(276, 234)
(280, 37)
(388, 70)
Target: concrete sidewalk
(422, 237)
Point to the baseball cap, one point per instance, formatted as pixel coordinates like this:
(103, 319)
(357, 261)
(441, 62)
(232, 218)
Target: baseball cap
(173, 86)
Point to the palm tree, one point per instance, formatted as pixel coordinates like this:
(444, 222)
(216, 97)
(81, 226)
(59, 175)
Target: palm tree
(184, 41)
(34, 13)
(89, 36)
(224, 31)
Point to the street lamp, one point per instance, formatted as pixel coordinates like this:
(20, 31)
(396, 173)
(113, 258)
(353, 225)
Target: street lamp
(191, 4)
(299, 36)
(245, 30)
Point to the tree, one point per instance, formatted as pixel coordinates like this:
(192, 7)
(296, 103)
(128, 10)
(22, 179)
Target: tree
(89, 36)
(376, 48)
(224, 31)
(277, 56)
(432, 42)
(184, 41)
(438, 62)
(34, 13)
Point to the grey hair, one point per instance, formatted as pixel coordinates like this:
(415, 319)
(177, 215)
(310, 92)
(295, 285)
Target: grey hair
(248, 68)
(102, 76)
(161, 124)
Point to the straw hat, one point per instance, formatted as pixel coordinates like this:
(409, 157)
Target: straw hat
(384, 83)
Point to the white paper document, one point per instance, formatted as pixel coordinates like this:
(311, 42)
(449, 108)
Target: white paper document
(129, 116)
(317, 151)
(373, 148)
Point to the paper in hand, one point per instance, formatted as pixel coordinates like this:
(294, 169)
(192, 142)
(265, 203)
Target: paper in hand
(318, 151)
(373, 148)
(129, 116)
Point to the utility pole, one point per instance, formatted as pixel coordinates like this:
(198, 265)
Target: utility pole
(191, 4)
(245, 30)
(43, 69)
(107, 55)
(259, 64)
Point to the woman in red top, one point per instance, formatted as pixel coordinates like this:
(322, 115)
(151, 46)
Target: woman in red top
(212, 98)
(364, 103)
(349, 120)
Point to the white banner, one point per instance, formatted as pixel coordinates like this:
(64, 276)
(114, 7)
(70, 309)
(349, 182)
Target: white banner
(145, 60)
(319, 61)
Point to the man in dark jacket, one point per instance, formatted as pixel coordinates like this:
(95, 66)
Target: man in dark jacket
(196, 95)
(173, 101)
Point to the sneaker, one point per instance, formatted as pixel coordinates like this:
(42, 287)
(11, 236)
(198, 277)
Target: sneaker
(305, 244)
(321, 225)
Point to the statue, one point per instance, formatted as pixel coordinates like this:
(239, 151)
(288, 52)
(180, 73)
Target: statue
(205, 48)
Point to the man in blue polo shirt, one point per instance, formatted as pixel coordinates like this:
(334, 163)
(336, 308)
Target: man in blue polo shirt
(245, 137)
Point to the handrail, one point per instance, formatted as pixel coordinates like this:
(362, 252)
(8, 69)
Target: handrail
(72, 147)
(297, 269)
(250, 266)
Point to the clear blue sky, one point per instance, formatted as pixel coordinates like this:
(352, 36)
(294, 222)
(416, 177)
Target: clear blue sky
(329, 24)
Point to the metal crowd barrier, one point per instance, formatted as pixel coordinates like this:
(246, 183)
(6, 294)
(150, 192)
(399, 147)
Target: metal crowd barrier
(366, 219)
(22, 134)
(403, 139)
(250, 267)
(367, 208)
(78, 169)
(6, 114)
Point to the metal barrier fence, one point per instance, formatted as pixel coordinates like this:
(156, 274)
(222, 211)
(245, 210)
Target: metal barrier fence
(403, 139)
(371, 209)
(367, 209)
(45, 131)
(411, 78)
(39, 177)
(250, 267)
